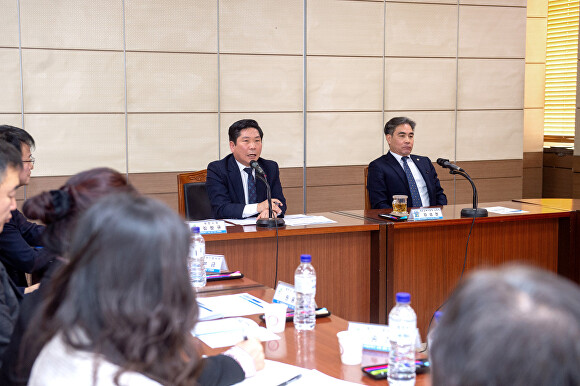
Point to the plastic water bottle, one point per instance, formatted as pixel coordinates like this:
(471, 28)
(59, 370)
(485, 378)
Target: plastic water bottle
(403, 332)
(433, 331)
(305, 287)
(197, 260)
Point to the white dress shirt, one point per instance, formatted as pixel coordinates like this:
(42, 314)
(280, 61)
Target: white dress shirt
(419, 180)
(249, 209)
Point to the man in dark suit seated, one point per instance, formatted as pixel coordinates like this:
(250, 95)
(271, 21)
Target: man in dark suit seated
(400, 172)
(231, 183)
(20, 236)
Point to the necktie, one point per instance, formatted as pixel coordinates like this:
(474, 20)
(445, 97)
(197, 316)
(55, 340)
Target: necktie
(415, 196)
(252, 197)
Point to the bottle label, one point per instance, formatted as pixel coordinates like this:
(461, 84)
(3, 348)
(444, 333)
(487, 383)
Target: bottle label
(403, 333)
(305, 285)
(197, 251)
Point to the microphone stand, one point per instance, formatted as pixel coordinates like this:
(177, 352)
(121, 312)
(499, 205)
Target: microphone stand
(475, 211)
(271, 222)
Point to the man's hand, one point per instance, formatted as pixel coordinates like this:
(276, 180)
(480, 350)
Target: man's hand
(263, 208)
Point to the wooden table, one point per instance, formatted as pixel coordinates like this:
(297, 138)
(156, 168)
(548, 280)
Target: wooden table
(316, 349)
(347, 257)
(426, 258)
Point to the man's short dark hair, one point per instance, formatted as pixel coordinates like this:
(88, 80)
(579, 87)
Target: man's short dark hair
(16, 137)
(9, 157)
(238, 126)
(511, 326)
(392, 124)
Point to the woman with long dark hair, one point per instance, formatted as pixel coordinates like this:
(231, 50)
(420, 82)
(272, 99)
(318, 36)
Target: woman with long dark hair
(121, 312)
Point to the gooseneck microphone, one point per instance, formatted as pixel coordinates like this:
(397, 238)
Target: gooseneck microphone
(454, 169)
(271, 221)
(444, 163)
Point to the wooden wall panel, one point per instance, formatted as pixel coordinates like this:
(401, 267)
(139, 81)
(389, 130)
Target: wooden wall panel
(557, 183)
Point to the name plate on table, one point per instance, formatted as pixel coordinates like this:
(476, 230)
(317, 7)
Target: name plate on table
(374, 336)
(285, 294)
(215, 263)
(425, 214)
(209, 226)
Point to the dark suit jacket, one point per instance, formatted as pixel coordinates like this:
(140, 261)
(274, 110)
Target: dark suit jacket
(17, 242)
(226, 192)
(386, 178)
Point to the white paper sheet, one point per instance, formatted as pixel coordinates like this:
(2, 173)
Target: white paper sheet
(229, 331)
(504, 210)
(224, 306)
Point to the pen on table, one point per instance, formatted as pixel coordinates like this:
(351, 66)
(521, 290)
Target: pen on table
(291, 380)
(204, 307)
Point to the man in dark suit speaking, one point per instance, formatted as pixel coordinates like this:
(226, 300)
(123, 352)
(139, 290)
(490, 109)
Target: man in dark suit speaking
(232, 186)
(400, 172)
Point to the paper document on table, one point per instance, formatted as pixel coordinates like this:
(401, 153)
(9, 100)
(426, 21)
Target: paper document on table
(242, 221)
(275, 373)
(304, 219)
(504, 210)
(229, 331)
(224, 306)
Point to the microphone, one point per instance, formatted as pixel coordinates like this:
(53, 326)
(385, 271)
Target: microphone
(444, 163)
(256, 166)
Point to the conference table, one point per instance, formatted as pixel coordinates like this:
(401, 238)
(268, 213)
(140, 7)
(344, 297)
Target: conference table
(362, 261)
(316, 349)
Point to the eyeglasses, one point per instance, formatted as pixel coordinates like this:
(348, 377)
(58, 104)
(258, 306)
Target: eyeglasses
(31, 160)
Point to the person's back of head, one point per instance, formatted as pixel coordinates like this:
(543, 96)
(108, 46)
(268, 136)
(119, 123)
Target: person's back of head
(59, 209)
(510, 326)
(127, 289)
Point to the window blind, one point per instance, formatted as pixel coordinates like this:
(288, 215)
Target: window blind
(561, 71)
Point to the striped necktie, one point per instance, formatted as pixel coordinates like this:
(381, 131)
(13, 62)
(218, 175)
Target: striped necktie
(415, 196)
(252, 196)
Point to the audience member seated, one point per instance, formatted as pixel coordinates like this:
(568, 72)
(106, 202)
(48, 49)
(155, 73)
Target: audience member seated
(10, 295)
(232, 186)
(123, 309)
(20, 236)
(509, 326)
(59, 210)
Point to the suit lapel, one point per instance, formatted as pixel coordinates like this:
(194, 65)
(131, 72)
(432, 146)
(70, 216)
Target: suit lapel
(396, 166)
(236, 180)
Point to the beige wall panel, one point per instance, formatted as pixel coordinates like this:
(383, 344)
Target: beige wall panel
(11, 119)
(537, 8)
(345, 28)
(171, 82)
(10, 80)
(73, 81)
(72, 24)
(171, 142)
(492, 32)
(260, 83)
(345, 84)
(171, 25)
(489, 83)
(265, 27)
(338, 139)
(339, 197)
(434, 133)
(505, 3)
(421, 30)
(283, 136)
(535, 86)
(533, 130)
(420, 84)
(424, 1)
(536, 32)
(69, 143)
(489, 135)
(9, 25)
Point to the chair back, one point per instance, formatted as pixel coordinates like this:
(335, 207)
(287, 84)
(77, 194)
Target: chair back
(192, 196)
(367, 200)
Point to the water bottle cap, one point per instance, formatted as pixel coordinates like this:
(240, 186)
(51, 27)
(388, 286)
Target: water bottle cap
(438, 315)
(195, 229)
(305, 258)
(403, 297)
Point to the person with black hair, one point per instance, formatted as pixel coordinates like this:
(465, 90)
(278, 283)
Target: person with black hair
(122, 310)
(10, 295)
(514, 325)
(232, 187)
(20, 239)
(59, 209)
